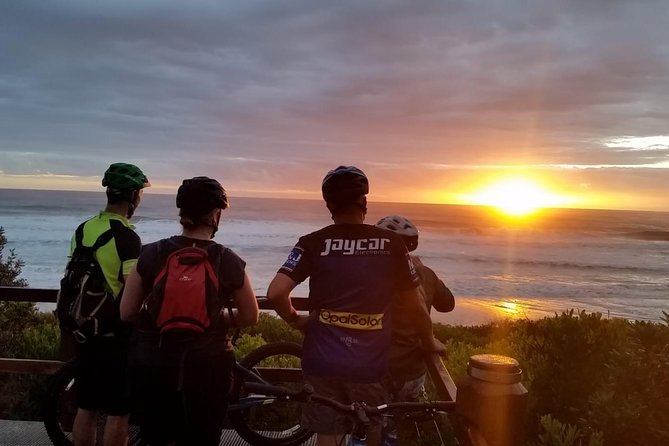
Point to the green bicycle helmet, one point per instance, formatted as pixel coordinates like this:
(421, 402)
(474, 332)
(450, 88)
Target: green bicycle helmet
(123, 176)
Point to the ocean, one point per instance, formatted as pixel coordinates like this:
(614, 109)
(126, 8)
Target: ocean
(613, 262)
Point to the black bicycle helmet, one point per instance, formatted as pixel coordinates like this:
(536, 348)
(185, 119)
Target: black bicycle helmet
(345, 184)
(124, 177)
(404, 227)
(201, 195)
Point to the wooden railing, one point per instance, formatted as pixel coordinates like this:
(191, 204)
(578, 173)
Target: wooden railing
(445, 387)
(442, 380)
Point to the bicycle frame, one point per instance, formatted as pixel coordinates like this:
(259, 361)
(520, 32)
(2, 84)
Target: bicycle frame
(246, 375)
(58, 418)
(359, 411)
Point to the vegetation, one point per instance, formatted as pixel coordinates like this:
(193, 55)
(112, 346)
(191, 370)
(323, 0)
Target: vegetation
(24, 333)
(10, 268)
(591, 380)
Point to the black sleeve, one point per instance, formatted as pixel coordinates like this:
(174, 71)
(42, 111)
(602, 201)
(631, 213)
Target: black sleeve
(442, 298)
(148, 264)
(444, 301)
(128, 244)
(298, 265)
(231, 270)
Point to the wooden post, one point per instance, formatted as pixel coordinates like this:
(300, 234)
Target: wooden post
(492, 400)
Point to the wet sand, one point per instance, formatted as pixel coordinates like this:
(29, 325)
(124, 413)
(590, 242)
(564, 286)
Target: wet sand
(472, 310)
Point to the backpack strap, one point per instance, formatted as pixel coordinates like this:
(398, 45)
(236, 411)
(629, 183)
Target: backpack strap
(228, 299)
(102, 240)
(79, 235)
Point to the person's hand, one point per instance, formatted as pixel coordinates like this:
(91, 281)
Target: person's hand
(436, 346)
(300, 322)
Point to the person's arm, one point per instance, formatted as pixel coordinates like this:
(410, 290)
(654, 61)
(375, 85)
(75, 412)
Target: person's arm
(128, 247)
(246, 303)
(278, 293)
(443, 300)
(133, 296)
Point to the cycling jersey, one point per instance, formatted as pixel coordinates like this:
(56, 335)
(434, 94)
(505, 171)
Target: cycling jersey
(101, 361)
(355, 271)
(119, 255)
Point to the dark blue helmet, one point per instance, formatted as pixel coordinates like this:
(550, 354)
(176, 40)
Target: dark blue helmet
(345, 184)
(201, 195)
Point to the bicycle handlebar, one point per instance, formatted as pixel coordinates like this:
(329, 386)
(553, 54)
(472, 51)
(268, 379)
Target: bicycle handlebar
(307, 394)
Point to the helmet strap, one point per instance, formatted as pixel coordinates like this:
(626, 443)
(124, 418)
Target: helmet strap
(215, 225)
(362, 203)
(132, 204)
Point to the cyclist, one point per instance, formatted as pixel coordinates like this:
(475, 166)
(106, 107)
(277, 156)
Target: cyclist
(355, 271)
(181, 380)
(101, 360)
(407, 366)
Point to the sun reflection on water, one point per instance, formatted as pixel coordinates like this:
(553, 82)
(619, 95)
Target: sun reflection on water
(509, 308)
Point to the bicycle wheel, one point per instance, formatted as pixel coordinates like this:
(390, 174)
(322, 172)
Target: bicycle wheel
(269, 422)
(60, 407)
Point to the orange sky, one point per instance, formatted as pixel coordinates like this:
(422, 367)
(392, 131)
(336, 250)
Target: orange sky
(435, 101)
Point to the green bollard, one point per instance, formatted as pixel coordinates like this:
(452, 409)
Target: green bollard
(492, 401)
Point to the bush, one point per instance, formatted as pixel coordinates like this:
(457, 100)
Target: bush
(631, 403)
(558, 434)
(273, 329)
(10, 269)
(563, 360)
(247, 343)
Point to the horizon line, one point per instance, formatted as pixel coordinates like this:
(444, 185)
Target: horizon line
(156, 192)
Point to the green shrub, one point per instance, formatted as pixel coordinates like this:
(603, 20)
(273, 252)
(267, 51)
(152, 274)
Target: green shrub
(563, 360)
(477, 336)
(274, 329)
(10, 268)
(631, 403)
(246, 343)
(559, 434)
(42, 340)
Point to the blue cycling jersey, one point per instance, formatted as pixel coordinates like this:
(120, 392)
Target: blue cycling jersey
(355, 271)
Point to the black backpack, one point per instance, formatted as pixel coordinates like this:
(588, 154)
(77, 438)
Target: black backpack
(85, 306)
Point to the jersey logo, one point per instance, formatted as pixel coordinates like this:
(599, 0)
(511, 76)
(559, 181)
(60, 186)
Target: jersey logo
(363, 246)
(293, 259)
(412, 269)
(356, 321)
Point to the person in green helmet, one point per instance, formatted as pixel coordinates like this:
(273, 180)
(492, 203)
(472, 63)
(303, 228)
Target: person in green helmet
(101, 359)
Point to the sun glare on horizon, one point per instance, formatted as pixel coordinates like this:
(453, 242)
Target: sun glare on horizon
(516, 197)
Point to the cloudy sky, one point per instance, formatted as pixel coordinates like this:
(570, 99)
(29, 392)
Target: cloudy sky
(433, 99)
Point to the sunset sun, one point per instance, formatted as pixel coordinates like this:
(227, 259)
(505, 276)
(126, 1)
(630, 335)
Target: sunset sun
(516, 196)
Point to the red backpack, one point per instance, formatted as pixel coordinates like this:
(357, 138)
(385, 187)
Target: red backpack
(185, 295)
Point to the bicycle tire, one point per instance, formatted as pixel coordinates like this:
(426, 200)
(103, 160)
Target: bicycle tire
(251, 424)
(59, 406)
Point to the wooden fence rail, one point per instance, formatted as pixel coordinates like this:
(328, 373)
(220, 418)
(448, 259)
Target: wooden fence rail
(445, 387)
(443, 382)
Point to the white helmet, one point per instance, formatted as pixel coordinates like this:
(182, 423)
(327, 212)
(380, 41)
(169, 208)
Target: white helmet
(404, 227)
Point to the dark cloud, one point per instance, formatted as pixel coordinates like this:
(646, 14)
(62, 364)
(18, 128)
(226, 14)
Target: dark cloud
(279, 90)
